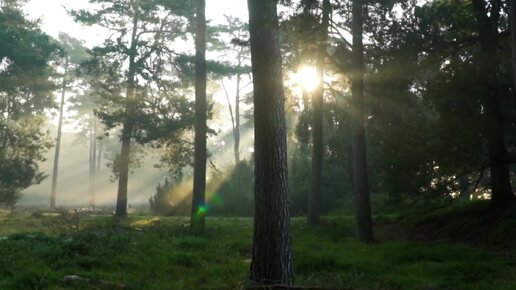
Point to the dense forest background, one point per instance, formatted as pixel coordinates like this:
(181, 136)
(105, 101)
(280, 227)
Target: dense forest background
(381, 111)
(425, 112)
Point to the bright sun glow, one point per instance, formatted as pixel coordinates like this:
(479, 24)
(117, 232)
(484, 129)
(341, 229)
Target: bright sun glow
(307, 77)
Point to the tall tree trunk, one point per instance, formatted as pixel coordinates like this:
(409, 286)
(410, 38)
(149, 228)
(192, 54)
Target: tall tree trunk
(58, 140)
(360, 178)
(464, 185)
(93, 158)
(236, 130)
(198, 213)
(512, 15)
(272, 254)
(314, 199)
(121, 202)
(93, 161)
(99, 156)
(488, 33)
(236, 133)
(88, 135)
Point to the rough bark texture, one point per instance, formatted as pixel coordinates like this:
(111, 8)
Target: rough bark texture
(272, 255)
(488, 33)
(314, 199)
(199, 182)
(58, 140)
(121, 202)
(360, 178)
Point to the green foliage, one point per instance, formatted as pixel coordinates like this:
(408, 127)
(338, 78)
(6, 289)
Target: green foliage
(232, 194)
(20, 152)
(148, 98)
(336, 172)
(151, 253)
(160, 201)
(26, 92)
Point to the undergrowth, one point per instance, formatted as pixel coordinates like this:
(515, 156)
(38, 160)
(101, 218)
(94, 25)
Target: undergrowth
(160, 253)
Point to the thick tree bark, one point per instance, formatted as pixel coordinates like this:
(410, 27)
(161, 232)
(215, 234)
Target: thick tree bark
(272, 254)
(314, 199)
(488, 33)
(360, 178)
(121, 202)
(58, 140)
(197, 219)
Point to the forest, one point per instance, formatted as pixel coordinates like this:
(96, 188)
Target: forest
(259, 144)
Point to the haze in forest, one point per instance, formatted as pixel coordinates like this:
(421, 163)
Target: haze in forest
(259, 144)
(73, 180)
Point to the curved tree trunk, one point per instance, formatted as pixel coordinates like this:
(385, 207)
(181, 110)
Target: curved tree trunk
(197, 219)
(272, 254)
(360, 178)
(58, 140)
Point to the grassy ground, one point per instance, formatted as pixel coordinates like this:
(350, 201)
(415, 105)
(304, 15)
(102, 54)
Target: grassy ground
(36, 252)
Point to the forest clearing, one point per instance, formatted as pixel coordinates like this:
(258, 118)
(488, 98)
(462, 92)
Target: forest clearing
(144, 252)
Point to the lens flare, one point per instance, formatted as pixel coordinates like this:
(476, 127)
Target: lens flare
(201, 211)
(214, 199)
(307, 77)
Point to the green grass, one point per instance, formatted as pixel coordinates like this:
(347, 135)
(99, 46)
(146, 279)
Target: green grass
(151, 253)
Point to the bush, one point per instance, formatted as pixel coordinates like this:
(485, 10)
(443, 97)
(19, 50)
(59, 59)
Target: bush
(160, 201)
(232, 193)
(9, 198)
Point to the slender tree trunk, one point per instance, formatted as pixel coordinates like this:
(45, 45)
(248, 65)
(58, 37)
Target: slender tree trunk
(236, 132)
(121, 202)
(236, 148)
(512, 15)
(99, 156)
(58, 140)
(93, 161)
(464, 185)
(235, 125)
(198, 213)
(272, 254)
(91, 155)
(314, 199)
(360, 178)
(502, 194)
